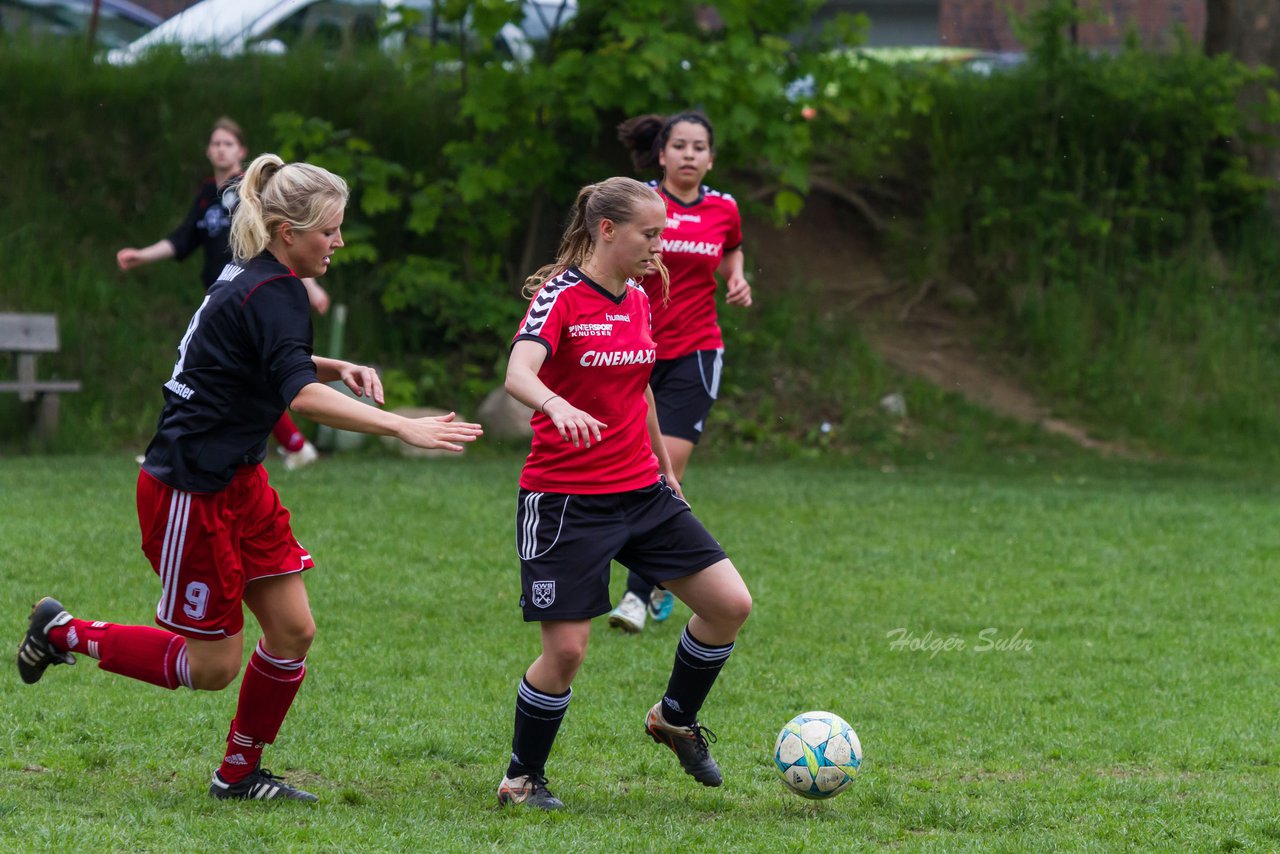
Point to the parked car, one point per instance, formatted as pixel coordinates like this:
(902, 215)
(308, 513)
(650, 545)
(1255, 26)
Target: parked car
(970, 60)
(233, 27)
(119, 21)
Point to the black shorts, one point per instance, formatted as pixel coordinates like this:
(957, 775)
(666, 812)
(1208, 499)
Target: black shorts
(566, 542)
(684, 390)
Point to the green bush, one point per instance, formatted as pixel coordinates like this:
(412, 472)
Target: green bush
(1096, 205)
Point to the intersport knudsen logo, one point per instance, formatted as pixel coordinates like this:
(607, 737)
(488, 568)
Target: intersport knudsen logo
(586, 330)
(608, 359)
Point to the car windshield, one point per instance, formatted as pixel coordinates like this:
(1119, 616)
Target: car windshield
(67, 18)
(335, 24)
(210, 22)
(541, 17)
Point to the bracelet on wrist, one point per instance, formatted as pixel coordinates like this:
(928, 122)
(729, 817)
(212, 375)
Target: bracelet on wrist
(543, 407)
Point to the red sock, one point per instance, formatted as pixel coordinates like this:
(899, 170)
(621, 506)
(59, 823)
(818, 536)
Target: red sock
(268, 689)
(139, 652)
(288, 434)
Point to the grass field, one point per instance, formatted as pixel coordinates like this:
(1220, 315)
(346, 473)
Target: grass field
(1115, 688)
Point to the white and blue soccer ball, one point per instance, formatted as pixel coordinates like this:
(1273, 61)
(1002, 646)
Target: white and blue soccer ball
(817, 755)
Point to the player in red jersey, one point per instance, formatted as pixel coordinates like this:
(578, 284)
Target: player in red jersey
(212, 527)
(207, 226)
(703, 238)
(598, 485)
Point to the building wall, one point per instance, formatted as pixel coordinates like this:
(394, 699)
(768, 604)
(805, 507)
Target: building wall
(893, 22)
(982, 24)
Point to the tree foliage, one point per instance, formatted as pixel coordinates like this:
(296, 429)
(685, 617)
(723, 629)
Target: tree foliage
(525, 136)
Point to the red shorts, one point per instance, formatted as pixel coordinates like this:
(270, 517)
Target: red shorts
(207, 546)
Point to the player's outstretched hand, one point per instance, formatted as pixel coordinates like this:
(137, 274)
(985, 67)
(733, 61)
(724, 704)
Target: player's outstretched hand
(573, 424)
(363, 382)
(128, 258)
(439, 432)
(738, 291)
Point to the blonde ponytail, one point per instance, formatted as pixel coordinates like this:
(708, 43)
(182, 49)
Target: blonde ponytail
(272, 193)
(615, 199)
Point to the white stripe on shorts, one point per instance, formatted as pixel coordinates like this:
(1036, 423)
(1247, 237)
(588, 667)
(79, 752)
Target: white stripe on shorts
(717, 368)
(175, 538)
(527, 536)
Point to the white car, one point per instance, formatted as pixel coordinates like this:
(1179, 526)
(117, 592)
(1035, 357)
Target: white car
(233, 27)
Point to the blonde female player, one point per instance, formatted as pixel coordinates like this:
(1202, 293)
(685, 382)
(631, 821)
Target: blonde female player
(212, 527)
(598, 485)
(208, 226)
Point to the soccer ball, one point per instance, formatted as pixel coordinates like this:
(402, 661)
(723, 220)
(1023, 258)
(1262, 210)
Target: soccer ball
(817, 754)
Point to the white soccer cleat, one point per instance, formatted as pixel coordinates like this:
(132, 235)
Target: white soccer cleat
(301, 458)
(629, 615)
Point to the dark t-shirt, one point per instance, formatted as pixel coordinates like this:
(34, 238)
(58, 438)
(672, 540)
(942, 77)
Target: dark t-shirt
(245, 355)
(207, 226)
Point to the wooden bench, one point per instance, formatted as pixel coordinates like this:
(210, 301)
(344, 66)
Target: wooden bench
(26, 336)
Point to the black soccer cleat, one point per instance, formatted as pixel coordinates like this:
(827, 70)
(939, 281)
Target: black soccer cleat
(36, 652)
(529, 790)
(689, 743)
(260, 785)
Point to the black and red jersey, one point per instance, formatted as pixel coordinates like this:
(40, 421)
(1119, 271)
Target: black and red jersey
(693, 244)
(601, 353)
(245, 355)
(206, 226)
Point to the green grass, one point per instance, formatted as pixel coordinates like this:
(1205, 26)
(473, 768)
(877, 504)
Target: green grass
(1139, 717)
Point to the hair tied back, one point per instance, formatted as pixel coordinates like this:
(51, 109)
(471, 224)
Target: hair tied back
(230, 194)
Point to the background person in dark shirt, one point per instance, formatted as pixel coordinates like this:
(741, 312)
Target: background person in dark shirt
(208, 226)
(212, 527)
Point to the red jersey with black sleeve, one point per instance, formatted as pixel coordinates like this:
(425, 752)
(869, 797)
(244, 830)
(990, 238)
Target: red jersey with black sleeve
(693, 245)
(600, 355)
(245, 355)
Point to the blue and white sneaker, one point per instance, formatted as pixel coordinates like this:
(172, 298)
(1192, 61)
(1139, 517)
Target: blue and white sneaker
(661, 604)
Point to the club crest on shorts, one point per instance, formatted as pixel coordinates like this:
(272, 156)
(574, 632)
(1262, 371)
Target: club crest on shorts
(544, 593)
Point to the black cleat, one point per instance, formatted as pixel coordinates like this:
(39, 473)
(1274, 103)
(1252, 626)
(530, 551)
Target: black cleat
(36, 653)
(689, 743)
(530, 790)
(260, 785)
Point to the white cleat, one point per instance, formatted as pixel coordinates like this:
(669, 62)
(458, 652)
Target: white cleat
(629, 615)
(301, 458)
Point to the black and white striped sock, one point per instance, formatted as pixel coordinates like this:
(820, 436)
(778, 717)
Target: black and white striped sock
(538, 717)
(695, 670)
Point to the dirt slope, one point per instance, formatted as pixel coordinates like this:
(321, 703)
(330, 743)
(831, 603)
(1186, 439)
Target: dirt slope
(920, 337)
